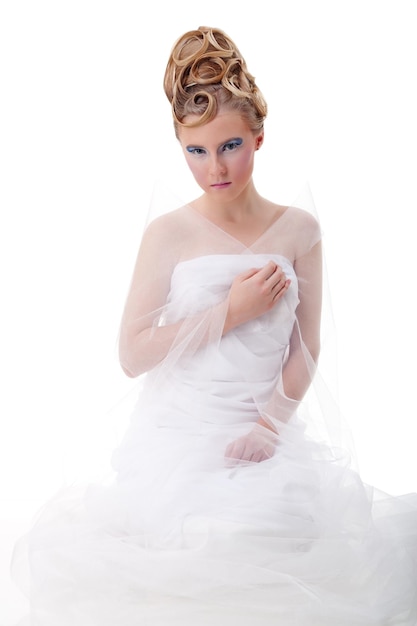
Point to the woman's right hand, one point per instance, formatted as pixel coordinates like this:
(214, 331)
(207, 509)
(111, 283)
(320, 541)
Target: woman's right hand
(254, 293)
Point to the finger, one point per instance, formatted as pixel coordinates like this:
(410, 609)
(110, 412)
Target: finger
(234, 450)
(248, 273)
(276, 279)
(264, 454)
(246, 451)
(230, 451)
(258, 456)
(278, 282)
(268, 270)
(281, 289)
(283, 283)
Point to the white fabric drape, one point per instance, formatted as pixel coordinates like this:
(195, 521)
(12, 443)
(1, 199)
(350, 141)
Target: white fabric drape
(184, 534)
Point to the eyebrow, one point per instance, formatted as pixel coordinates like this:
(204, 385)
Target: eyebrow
(238, 140)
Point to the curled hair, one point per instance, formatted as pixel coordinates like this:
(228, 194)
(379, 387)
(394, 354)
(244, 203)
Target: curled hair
(206, 71)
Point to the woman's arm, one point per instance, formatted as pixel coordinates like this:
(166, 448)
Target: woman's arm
(143, 342)
(299, 369)
(140, 348)
(304, 349)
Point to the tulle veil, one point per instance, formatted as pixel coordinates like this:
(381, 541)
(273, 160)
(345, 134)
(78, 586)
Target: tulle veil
(173, 534)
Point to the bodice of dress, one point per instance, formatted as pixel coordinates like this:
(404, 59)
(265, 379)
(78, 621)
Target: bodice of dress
(237, 372)
(204, 281)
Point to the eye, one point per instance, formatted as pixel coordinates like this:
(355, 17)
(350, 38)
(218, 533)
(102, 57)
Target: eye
(232, 145)
(195, 150)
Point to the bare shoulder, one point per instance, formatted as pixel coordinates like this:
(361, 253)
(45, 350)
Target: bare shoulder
(167, 219)
(300, 217)
(306, 228)
(167, 226)
(303, 217)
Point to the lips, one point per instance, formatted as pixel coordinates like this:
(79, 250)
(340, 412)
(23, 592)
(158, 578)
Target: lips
(220, 185)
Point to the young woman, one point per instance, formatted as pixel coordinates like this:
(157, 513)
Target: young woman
(231, 504)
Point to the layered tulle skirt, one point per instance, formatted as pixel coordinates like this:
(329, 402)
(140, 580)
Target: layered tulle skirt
(180, 535)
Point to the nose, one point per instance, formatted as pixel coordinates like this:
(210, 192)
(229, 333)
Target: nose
(217, 166)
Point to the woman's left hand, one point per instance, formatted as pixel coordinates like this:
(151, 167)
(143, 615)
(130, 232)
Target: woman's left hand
(256, 446)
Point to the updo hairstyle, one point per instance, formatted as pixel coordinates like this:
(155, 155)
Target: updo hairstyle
(206, 72)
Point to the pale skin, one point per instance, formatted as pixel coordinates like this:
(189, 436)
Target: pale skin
(220, 155)
(223, 168)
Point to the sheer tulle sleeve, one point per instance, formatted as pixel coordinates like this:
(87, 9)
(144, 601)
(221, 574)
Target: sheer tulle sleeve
(141, 345)
(157, 329)
(304, 347)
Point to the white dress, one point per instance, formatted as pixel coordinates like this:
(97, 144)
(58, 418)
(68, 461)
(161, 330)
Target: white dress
(183, 537)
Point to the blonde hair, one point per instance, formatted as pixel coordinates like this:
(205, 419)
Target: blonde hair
(206, 71)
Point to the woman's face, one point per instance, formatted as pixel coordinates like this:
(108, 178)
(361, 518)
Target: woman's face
(220, 154)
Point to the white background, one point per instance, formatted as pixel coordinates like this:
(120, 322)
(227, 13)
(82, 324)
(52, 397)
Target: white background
(85, 134)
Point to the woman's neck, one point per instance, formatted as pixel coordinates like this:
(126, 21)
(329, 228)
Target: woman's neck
(246, 206)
